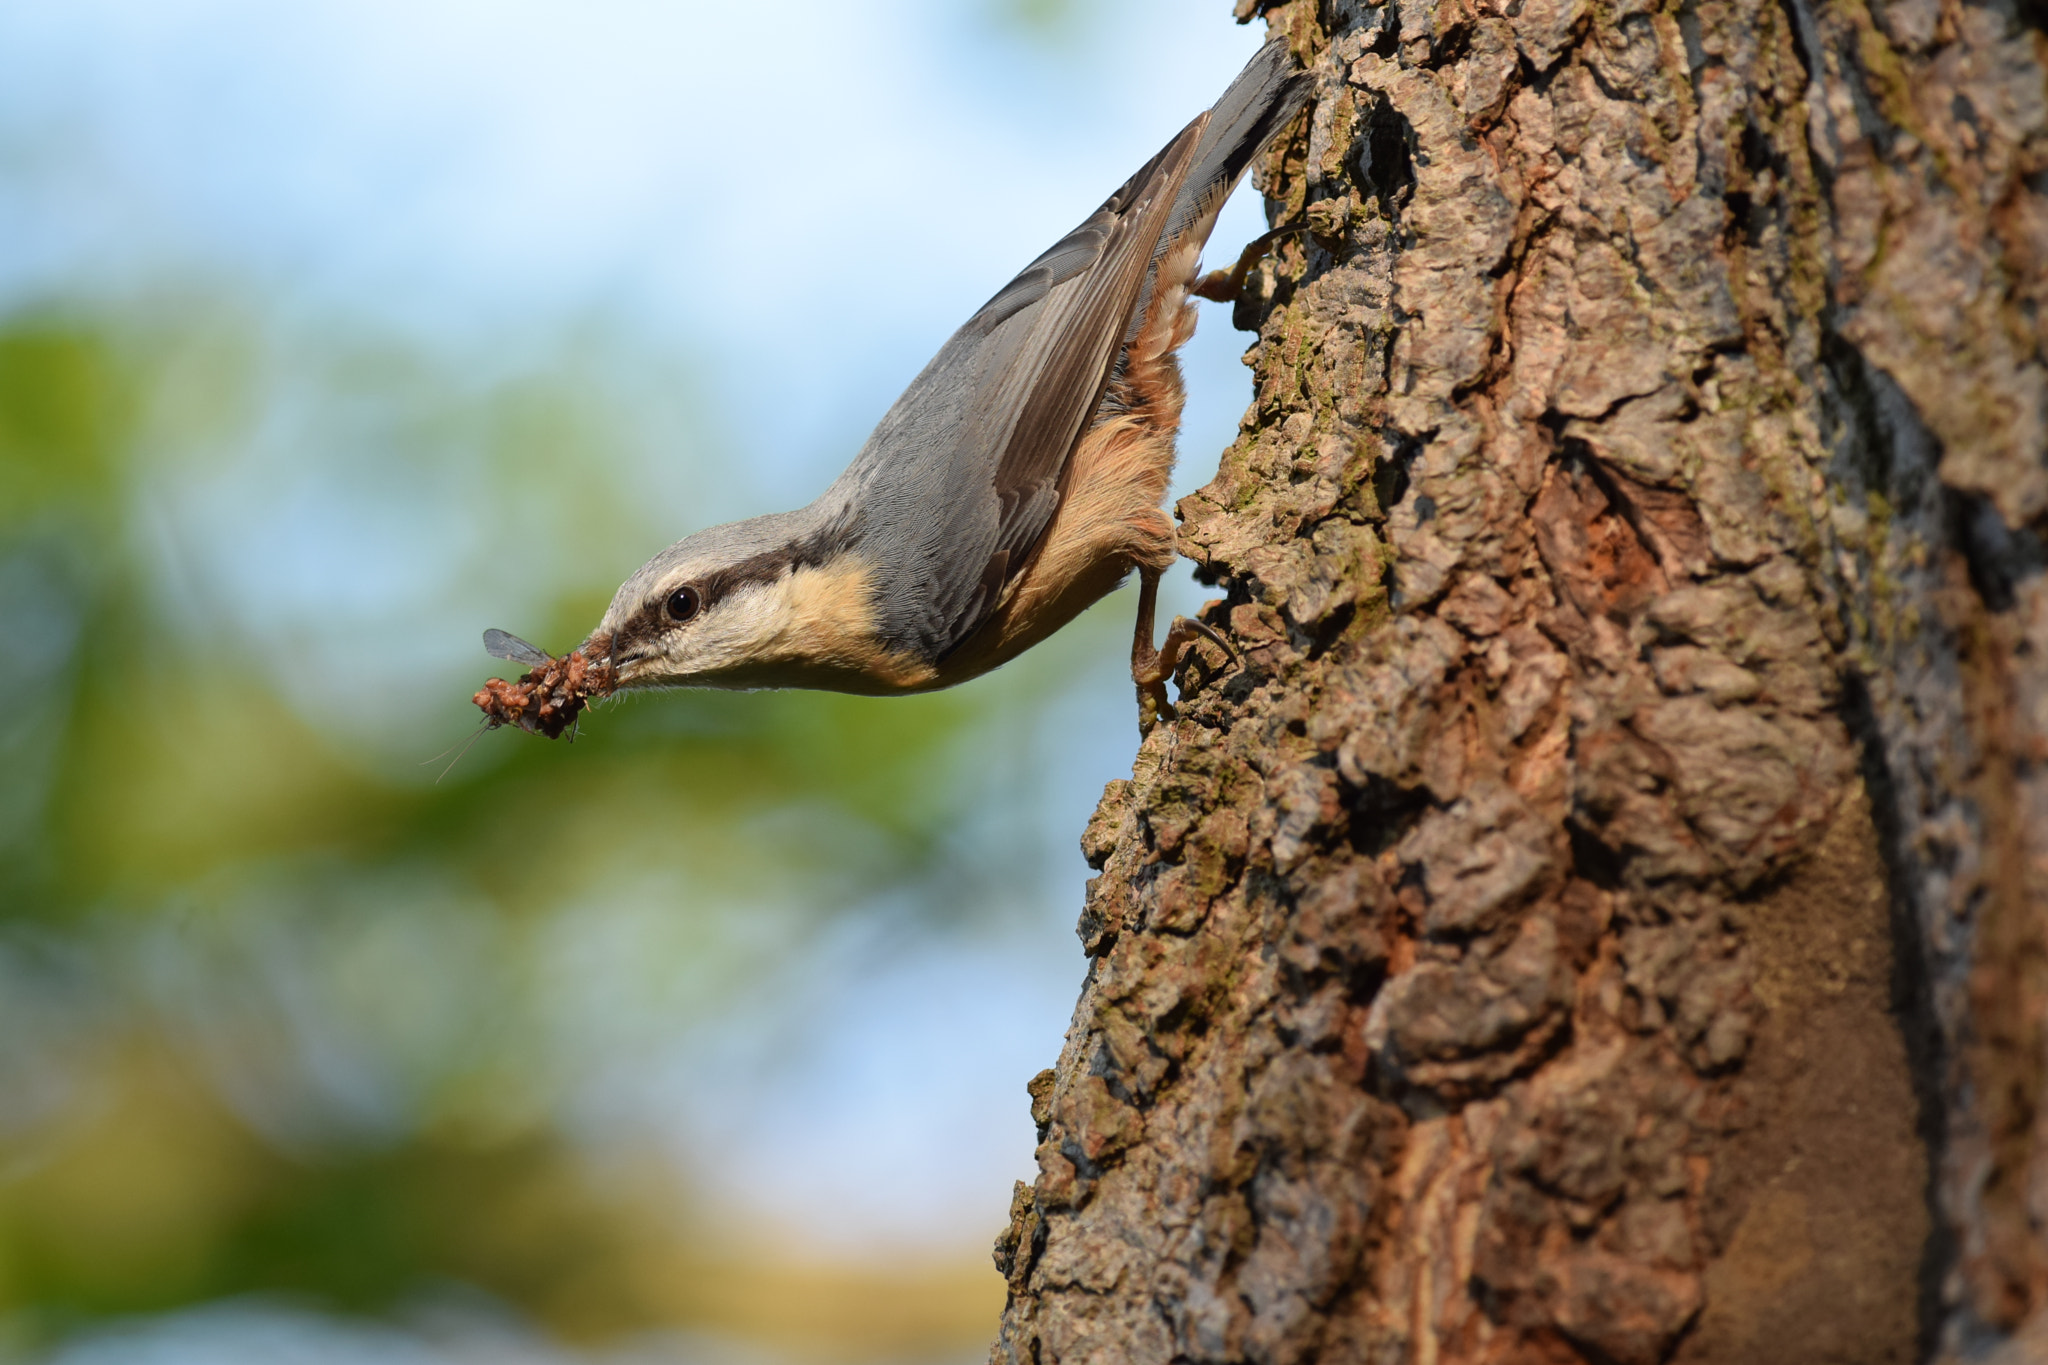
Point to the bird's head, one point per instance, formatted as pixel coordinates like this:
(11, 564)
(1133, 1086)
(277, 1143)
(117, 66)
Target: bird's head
(777, 601)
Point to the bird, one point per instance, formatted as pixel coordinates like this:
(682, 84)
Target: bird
(1014, 483)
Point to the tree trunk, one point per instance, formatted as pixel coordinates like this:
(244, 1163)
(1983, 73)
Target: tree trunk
(1603, 917)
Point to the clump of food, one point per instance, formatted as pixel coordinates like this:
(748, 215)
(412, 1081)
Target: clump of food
(547, 699)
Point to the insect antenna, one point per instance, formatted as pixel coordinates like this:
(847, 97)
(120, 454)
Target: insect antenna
(460, 750)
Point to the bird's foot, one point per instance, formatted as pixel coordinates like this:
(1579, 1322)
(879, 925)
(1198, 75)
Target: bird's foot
(1223, 286)
(1151, 668)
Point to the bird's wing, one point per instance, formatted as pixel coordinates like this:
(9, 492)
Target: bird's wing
(962, 477)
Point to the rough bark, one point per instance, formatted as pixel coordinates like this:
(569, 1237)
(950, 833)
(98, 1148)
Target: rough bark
(1603, 918)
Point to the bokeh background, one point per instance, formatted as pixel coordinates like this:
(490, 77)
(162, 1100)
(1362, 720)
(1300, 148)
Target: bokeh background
(332, 333)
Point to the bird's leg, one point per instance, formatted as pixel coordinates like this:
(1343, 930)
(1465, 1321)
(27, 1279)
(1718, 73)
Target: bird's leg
(1223, 286)
(1145, 660)
(1150, 668)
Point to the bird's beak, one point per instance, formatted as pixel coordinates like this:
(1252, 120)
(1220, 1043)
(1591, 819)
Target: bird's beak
(600, 650)
(629, 665)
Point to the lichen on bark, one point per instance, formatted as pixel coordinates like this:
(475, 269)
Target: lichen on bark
(1600, 916)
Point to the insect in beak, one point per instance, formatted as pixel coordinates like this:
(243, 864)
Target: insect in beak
(547, 699)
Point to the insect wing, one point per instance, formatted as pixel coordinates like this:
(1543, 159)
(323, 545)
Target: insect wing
(500, 644)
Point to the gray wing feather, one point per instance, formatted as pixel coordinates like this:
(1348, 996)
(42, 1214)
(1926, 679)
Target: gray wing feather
(1068, 257)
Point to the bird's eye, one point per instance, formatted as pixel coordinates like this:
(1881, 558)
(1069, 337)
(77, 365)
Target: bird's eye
(683, 604)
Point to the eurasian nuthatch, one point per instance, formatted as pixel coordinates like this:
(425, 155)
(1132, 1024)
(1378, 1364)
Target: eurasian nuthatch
(1016, 481)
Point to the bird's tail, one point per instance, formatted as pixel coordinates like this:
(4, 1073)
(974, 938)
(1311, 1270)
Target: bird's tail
(1262, 101)
(1144, 384)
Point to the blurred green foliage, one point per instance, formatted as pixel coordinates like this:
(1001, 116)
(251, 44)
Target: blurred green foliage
(279, 1012)
(65, 413)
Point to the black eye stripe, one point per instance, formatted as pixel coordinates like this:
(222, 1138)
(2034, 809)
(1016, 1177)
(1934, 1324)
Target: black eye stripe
(684, 603)
(715, 585)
